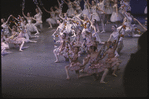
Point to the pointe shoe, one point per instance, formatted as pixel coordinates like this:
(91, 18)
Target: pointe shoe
(20, 50)
(56, 61)
(114, 74)
(37, 33)
(98, 31)
(68, 78)
(50, 27)
(103, 31)
(36, 36)
(102, 82)
(35, 41)
(81, 70)
(116, 55)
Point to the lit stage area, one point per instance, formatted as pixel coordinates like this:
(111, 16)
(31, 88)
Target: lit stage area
(33, 72)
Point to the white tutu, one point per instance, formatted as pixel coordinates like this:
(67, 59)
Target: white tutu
(4, 46)
(31, 27)
(108, 10)
(70, 11)
(95, 16)
(86, 12)
(68, 28)
(5, 29)
(51, 20)
(115, 17)
(56, 18)
(94, 12)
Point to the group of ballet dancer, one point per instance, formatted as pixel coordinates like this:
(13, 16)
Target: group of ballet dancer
(77, 33)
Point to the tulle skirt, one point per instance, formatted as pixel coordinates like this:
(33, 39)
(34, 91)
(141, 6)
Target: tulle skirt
(96, 68)
(95, 16)
(108, 10)
(86, 12)
(51, 20)
(6, 32)
(111, 62)
(70, 11)
(75, 66)
(115, 17)
(17, 40)
(4, 46)
(31, 27)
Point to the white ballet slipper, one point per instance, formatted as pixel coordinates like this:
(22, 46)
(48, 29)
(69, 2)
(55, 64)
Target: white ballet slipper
(103, 31)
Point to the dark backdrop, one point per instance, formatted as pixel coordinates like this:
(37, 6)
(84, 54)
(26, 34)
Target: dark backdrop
(14, 7)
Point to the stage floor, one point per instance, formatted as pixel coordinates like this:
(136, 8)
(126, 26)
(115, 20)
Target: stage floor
(33, 73)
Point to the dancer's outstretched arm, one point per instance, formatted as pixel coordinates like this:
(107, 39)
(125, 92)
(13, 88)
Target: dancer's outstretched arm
(140, 24)
(66, 2)
(24, 14)
(39, 9)
(8, 18)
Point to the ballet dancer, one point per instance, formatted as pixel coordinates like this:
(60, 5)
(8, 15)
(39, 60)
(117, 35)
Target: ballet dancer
(86, 10)
(5, 26)
(130, 29)
(115, 36)
(70, 10)
(74, 65)
(62, 49)
(94, 28)
(116, 15)
(76, 3)
(23, 29)
(16, 39)
(102, 13)
(108, 10)
(51, 21)
(30, 26)
(38, 17)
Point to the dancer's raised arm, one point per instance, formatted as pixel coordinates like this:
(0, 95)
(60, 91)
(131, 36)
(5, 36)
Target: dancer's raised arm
(89, 3)
(66, 2)
(47, 10)
(24, 14)
(8, 18)
(58, 4)
(39, 9)
(61, 17)
(140, 24)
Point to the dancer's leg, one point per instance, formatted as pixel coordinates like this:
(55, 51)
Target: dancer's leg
(104, 75)
(20, 49)
(67, 72)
